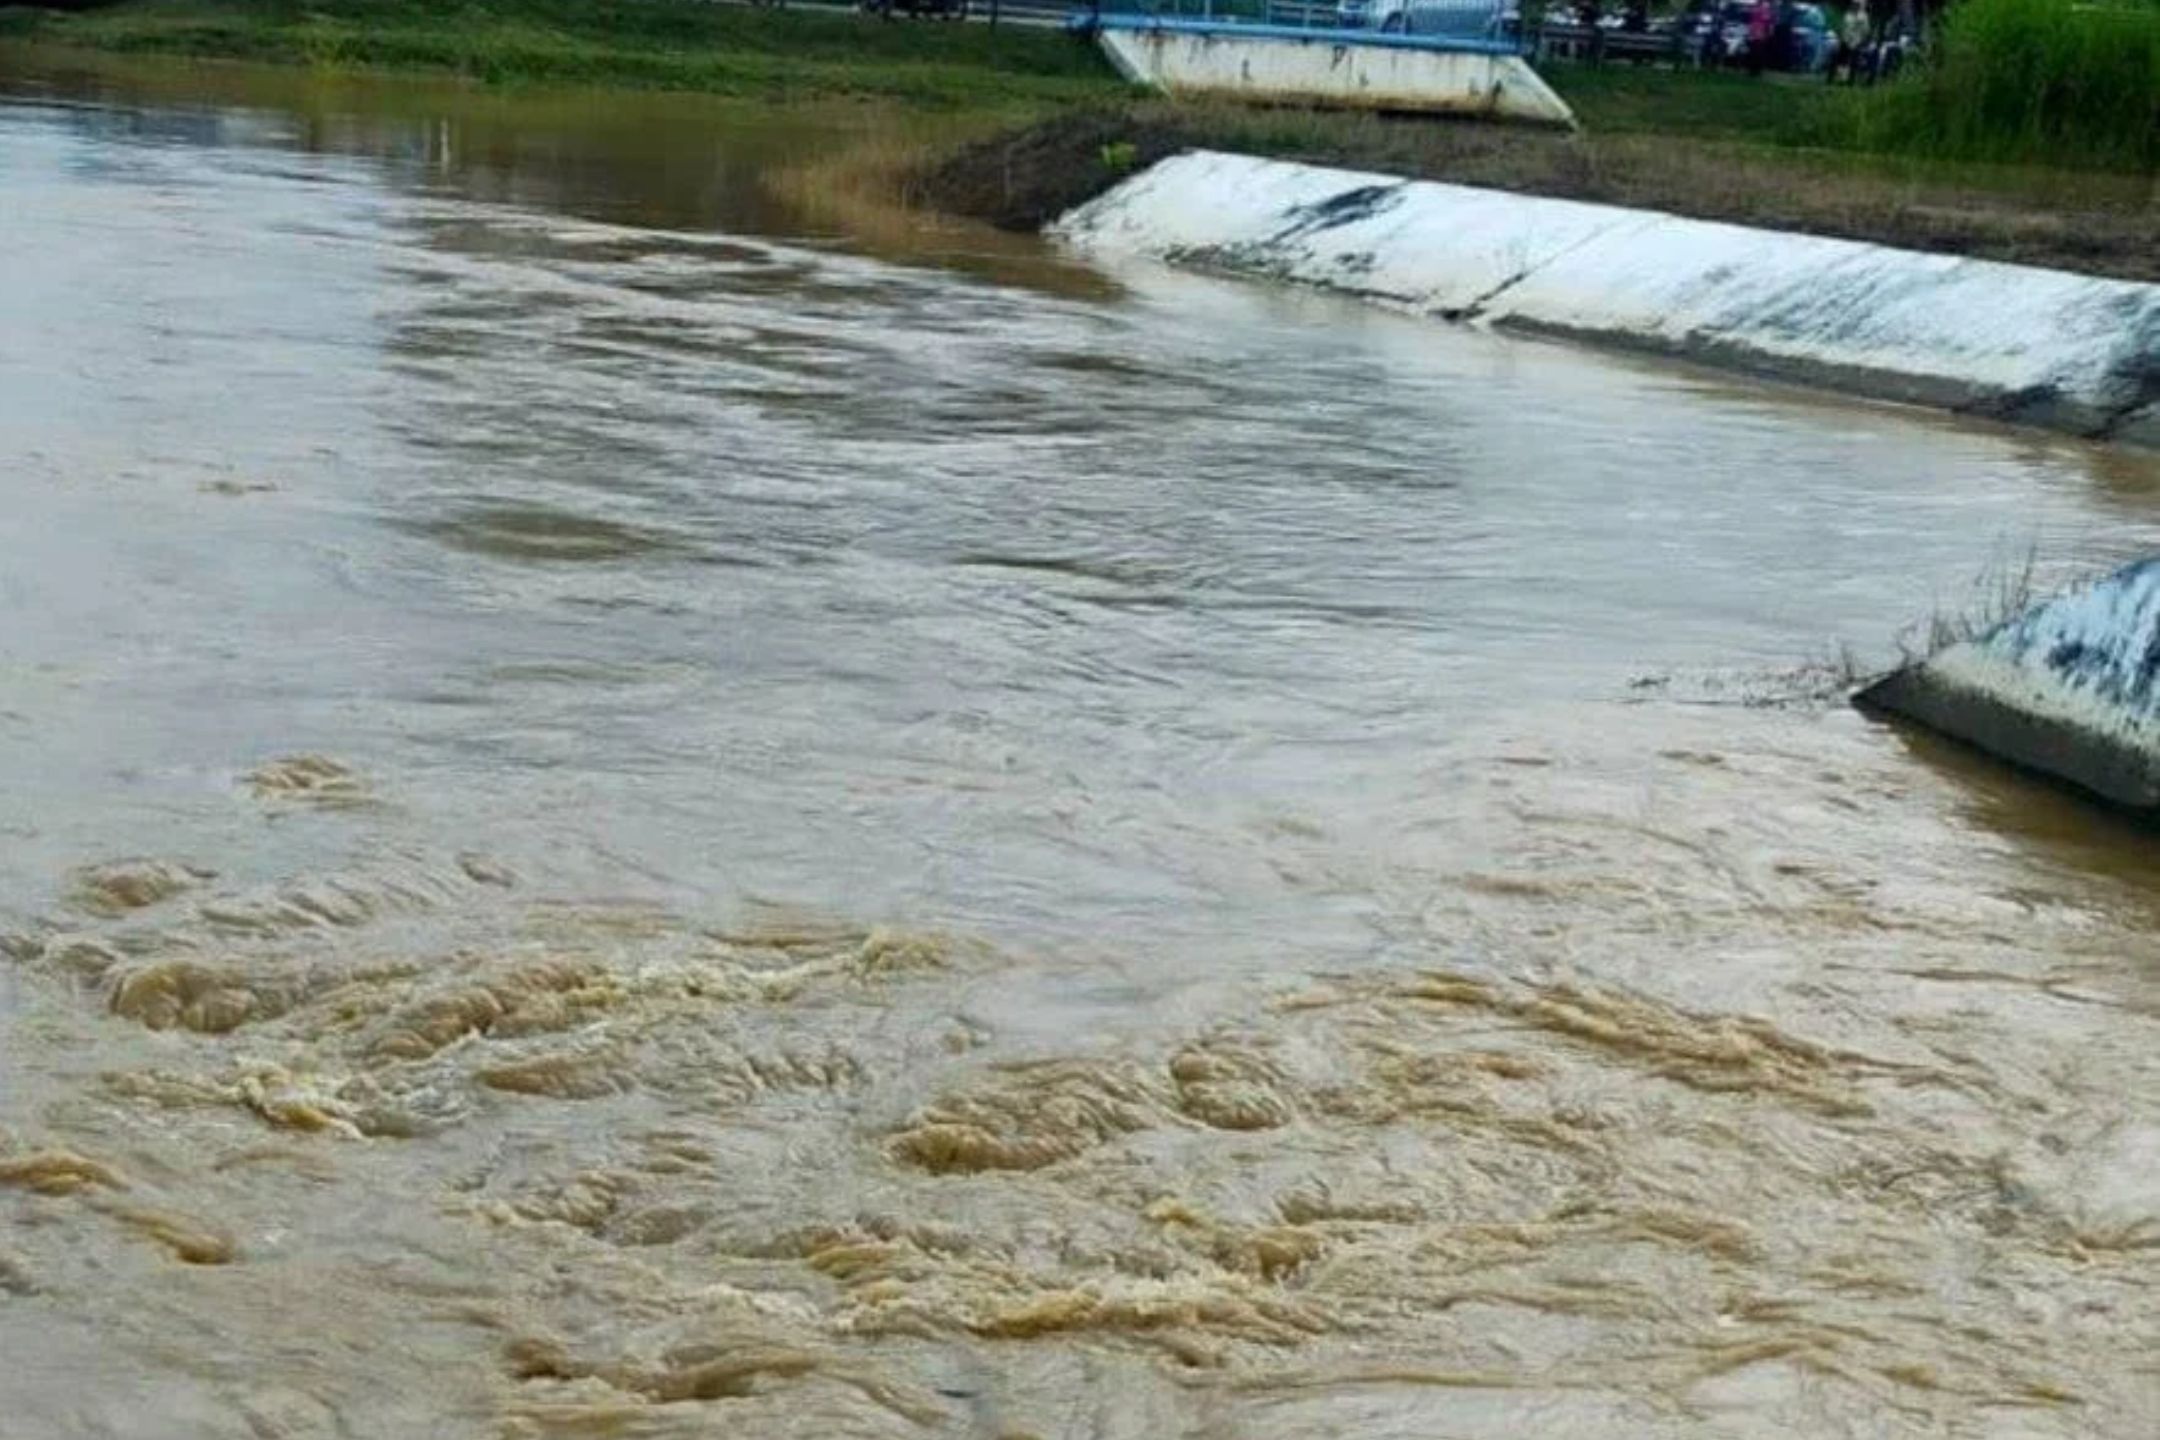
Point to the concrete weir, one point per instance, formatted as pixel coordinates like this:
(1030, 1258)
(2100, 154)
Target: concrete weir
(2071, 688)
(2044, 347)
(1366, 71)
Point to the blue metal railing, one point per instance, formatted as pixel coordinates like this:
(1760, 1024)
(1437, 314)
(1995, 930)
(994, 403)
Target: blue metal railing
(1446, 24)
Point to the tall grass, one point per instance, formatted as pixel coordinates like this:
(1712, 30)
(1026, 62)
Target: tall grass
(2050, 81)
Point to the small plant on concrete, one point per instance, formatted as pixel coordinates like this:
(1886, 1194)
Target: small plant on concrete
(2001, 591)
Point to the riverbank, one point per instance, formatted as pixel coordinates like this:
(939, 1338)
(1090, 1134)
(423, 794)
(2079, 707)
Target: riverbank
(2032, 346)
(2091, 222)
(1030, 122)
(717, 49)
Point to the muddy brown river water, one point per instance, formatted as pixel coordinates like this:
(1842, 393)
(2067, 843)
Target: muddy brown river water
(624, 814)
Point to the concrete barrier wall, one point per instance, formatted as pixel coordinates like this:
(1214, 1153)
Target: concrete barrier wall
(2070, 687)
(1376, 73)
(2037, 346)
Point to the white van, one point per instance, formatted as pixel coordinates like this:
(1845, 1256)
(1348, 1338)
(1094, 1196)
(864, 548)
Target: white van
(1452, 19)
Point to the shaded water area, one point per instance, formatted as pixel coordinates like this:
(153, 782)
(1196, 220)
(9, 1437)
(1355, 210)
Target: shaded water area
(624, 816)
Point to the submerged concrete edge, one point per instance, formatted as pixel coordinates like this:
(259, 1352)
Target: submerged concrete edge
(2045, 744)
(2074, 353)
(2069, 687)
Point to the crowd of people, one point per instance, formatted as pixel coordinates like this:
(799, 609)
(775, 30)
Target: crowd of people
(1860, 48)
(1871, 41)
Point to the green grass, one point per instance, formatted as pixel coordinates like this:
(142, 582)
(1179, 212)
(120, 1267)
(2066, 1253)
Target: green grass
(1699, 104)
(2046, 81)
(656, 44)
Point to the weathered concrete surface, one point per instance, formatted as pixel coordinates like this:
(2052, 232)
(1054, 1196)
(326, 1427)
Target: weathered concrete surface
(2141, 427)
(2071, 687)
(2045, 347)
(1375, 73)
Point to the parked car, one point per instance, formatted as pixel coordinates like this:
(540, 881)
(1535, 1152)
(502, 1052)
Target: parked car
(1728, 37)
(1453, 19)
(1813, 41)
(1876, 58)
(918, 9)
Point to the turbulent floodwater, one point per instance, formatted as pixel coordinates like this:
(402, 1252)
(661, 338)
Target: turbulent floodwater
(626, 817)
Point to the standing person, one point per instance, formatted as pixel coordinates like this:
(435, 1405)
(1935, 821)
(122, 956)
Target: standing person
(1782, 39)
(1762, 23)
(1852, 45)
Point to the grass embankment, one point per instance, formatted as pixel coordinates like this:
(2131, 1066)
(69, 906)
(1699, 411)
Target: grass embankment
(653, 44)
(1714, 168)
(1887, 165)
(2069, 94)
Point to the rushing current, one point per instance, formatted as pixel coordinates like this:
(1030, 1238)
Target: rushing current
(628, 809)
